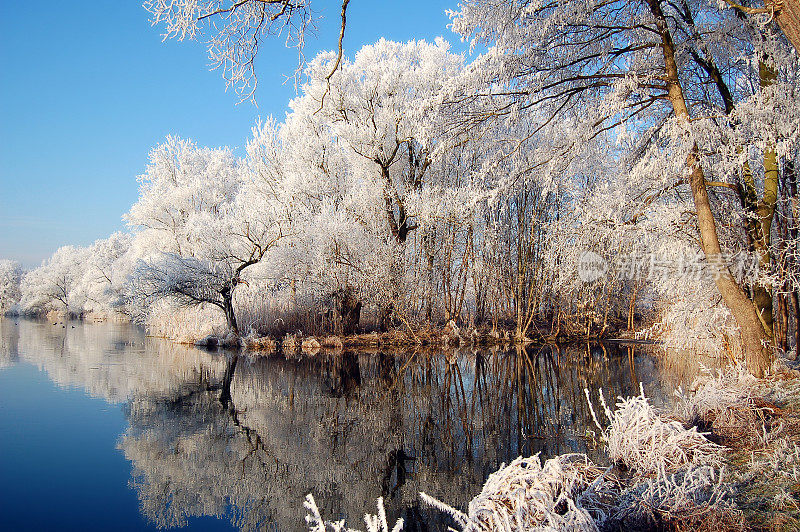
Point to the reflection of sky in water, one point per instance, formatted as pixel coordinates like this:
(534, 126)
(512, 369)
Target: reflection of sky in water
(194, 436)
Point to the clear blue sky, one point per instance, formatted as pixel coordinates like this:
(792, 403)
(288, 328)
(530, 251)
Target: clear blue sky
(88, 88)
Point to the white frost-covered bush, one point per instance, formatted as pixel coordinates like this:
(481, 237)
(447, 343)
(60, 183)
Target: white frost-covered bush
(640, 438)
(567, 492)
(183, 324)
(674, 477)
(689, 495)
(375, 523)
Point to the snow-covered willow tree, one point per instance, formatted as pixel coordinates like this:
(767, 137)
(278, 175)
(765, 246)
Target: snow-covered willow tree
(202, 219)
(670, 75)
(10, 279)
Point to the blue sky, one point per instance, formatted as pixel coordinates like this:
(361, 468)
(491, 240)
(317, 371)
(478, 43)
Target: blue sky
(86, 90)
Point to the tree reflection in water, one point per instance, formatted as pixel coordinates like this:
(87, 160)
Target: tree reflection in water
(9, 343)
(246, 439)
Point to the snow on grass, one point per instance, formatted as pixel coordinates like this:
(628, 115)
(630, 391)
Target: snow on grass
(375, 523)
(640, 438)
(567, 492)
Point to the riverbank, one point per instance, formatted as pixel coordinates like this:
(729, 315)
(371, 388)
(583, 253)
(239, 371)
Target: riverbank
(449, 336)
(214, 335)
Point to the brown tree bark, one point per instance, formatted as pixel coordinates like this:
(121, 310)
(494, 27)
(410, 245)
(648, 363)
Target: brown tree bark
(757, 356)
(349, 308)
(787, 15)
(385, 317)
(227, 306)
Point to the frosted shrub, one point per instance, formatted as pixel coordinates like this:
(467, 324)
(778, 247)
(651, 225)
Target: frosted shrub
(739, 406)
(677, 475)
(688, 496)
(715, 394)
(183, 324)
(758, 418)
(375, 523)
(675, 479)
(568, 492)
(638, 437)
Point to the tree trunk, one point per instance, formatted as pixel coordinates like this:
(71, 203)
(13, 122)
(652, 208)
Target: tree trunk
(781, 332)
(757, 356)
(632, 307)
(794, 235)
(796, 310)
(349, 311)
(230, 317)
(756, 213)
(385, 317)
(788, 18)
(766, 213)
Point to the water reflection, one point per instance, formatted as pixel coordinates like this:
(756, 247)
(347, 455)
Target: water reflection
(245, 439)
(9, 343)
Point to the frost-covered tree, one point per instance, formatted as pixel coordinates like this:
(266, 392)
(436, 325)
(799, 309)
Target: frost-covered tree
(10, 278)
(655, 71)
(371, 140)
(52, 286)
(383, 105)
(785, 12)
(339, 247)
(205, 218)
(102, 283)
(409, 183)
(181, 181)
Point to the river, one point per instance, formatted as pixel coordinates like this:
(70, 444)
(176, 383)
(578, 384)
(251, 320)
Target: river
(105, 428)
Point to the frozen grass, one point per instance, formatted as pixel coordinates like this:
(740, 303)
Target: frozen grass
(759, 420)
(375, 523)
(640, 438)
(768, 483)
(740, 408)
(695, 497)
(568, 492)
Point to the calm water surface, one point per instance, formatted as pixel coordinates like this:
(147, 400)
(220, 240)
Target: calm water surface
(103, 428)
